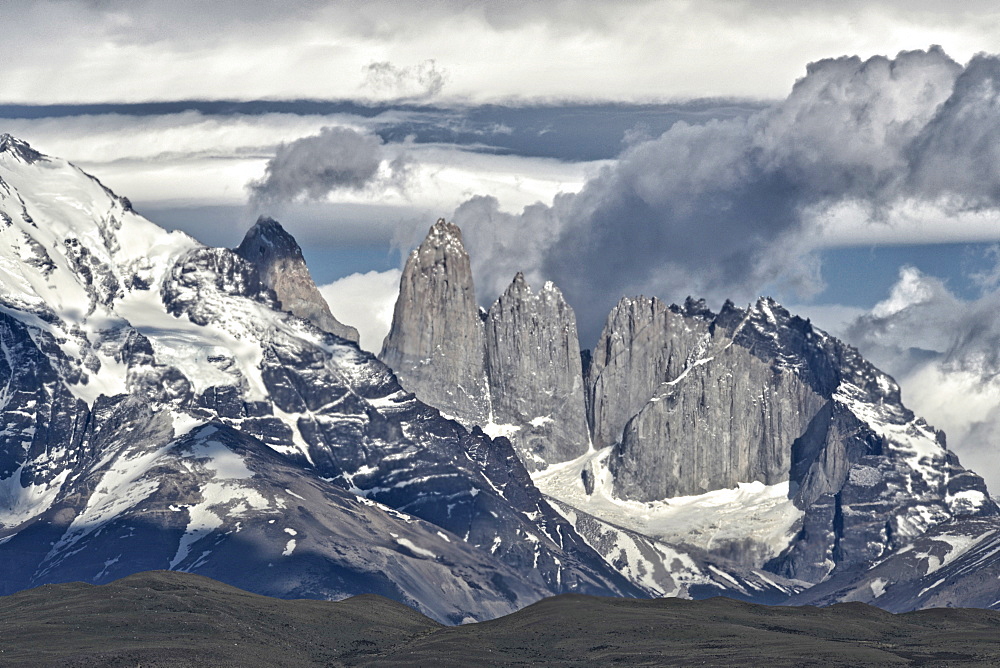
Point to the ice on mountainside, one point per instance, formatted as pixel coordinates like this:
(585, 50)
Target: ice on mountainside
(160, 411)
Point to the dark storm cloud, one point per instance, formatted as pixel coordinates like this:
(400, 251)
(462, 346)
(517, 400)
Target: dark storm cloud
(959, 151)
(728, 207)
(337, 159)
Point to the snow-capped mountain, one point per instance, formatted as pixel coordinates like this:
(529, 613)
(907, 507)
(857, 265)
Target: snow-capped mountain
(745, 448)
(161, 410)
(167, 405)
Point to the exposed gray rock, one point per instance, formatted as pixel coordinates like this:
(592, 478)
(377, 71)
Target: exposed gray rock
(516, 370)
(282, 268)
(534, 372)
(730, 418)
(435, 344)
(644, 343)
(18, 148)
(767, 397)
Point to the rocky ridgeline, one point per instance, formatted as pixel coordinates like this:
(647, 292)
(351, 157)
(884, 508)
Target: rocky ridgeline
(689, 401)
(164, 408)
(763, 395)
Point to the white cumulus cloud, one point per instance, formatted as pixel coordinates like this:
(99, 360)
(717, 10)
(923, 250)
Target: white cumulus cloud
(945, 354)
(365, 301)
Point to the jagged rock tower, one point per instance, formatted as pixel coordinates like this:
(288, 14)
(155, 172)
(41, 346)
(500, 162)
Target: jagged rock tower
(435, 345)
(282, 268)
(515, 370)
(535, 375)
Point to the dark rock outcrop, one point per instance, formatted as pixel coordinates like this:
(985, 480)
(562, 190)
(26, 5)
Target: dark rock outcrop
(279, 262)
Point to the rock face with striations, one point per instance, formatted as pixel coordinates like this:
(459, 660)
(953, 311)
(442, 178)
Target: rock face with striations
(766, 397)
(435, 344)
(644, 343)
(727, 416)
(282, 268)
(535, 375)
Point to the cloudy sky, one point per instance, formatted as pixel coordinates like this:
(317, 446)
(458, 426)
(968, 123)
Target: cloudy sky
(844, 159)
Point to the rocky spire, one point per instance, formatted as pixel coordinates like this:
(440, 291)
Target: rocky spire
(533, 366)
(435, 345)
(282, 268)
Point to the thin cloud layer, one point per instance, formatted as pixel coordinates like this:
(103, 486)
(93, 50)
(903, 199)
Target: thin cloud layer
(68, 51)
(730, 208)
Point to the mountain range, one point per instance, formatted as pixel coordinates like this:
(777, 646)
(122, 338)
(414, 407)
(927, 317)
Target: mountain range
(172, 406)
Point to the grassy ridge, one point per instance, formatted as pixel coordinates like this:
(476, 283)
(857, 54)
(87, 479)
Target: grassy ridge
(177, 619)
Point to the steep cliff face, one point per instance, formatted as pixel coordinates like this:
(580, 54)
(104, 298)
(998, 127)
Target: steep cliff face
(282, 268)
(765, 397)
(436, 343)
(535, 375)
(744, 406)
(644, 343)
(730, 418)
